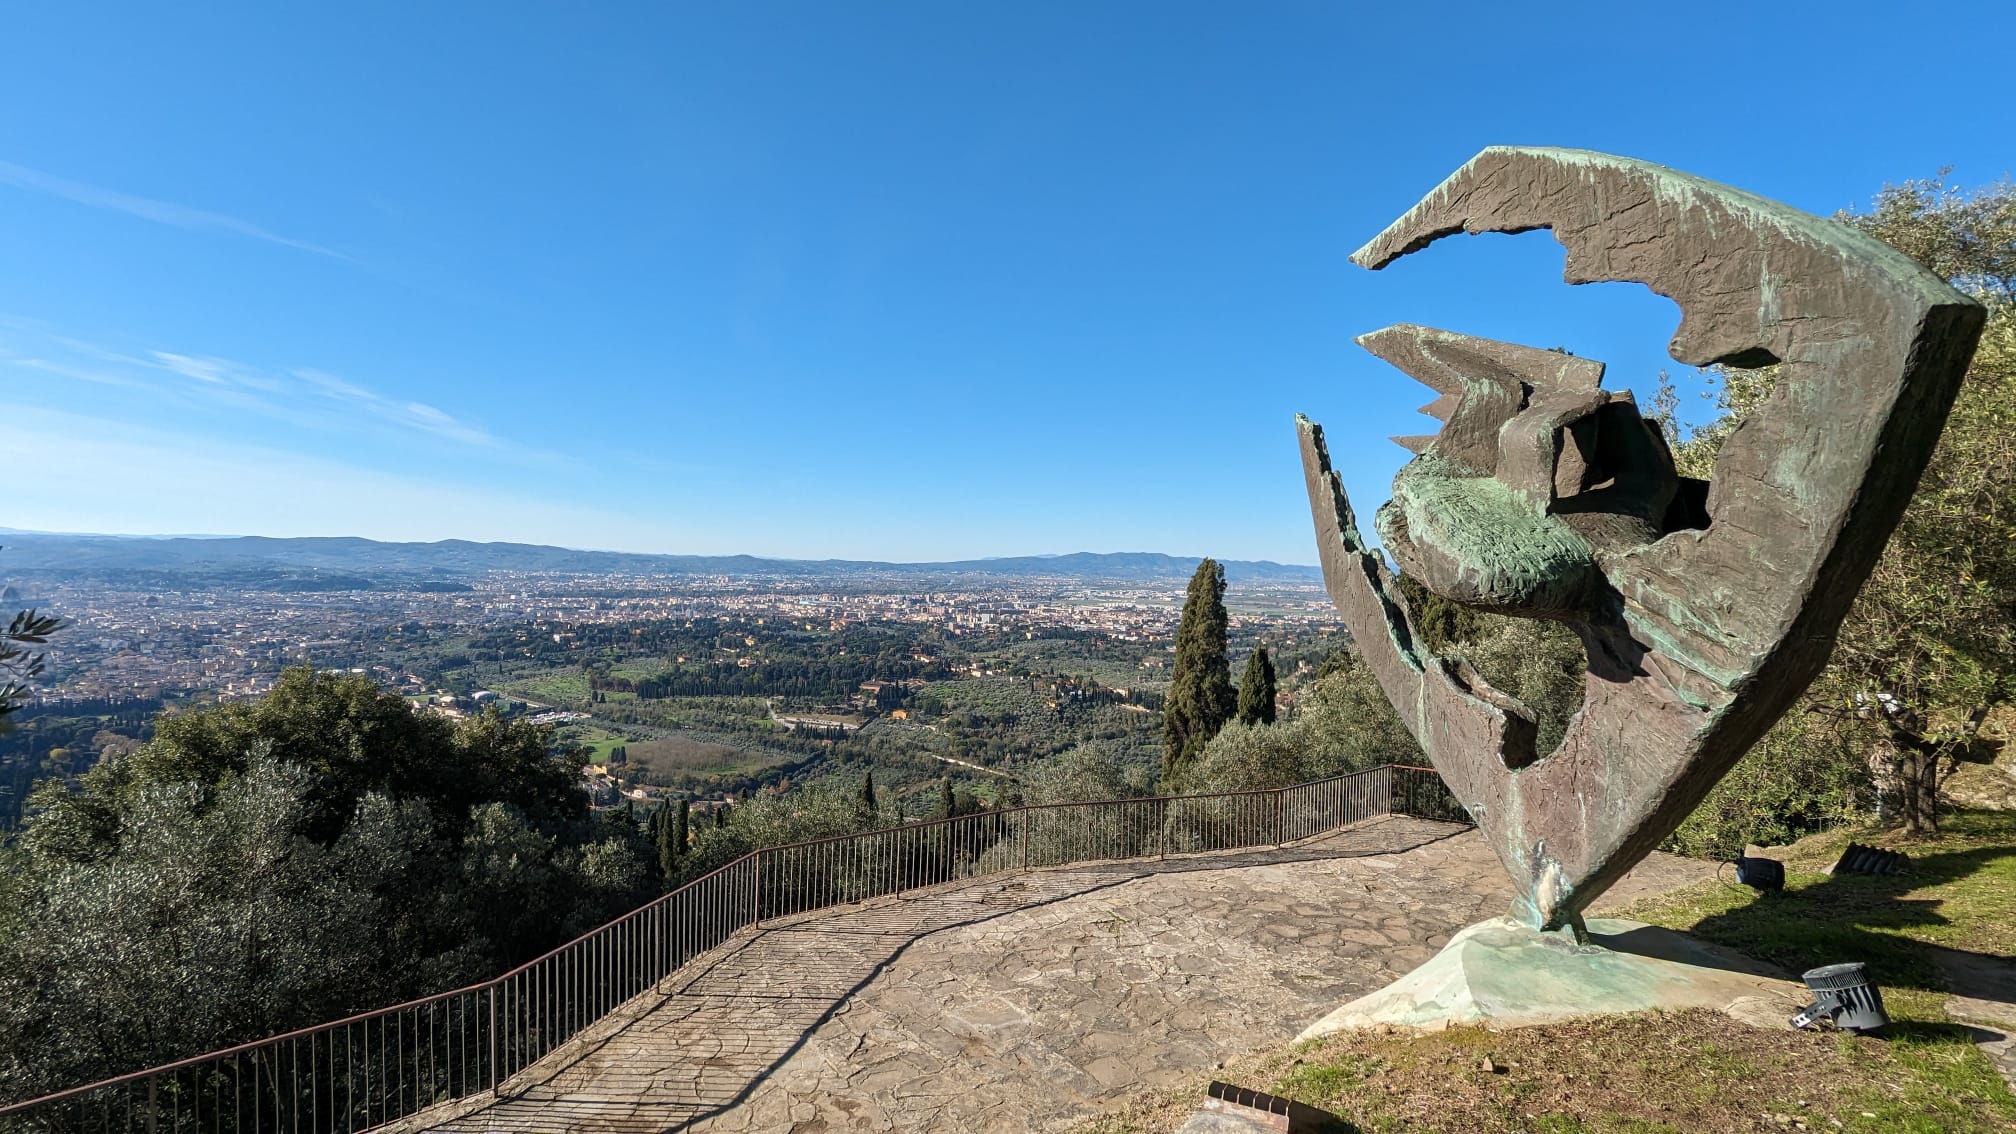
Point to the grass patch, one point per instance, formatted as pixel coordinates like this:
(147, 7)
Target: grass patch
(562, 687)
(681, 757)
(1698, 1072)
(599, 744)
(1958, 893)
(1671, 1073)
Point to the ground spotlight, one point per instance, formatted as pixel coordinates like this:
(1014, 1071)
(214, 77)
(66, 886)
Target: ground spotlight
(1843, 995)
(1760, 873)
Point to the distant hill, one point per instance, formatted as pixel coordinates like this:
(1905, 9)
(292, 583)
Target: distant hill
(301, 562)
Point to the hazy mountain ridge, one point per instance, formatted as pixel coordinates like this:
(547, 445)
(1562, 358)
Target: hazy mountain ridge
(45, 554)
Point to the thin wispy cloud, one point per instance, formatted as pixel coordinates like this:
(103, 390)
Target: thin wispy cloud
(76, 373)
(146, 208)
(411, 415)
(307, 398)
(215, 371)
(298, 390)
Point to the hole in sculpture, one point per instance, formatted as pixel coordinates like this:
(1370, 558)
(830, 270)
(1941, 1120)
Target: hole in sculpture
(1740, 385)
(1540, 664)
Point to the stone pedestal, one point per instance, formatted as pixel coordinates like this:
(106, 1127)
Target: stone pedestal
(1502, 974)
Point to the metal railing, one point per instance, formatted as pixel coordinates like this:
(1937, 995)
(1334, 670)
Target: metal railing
(381, 1066)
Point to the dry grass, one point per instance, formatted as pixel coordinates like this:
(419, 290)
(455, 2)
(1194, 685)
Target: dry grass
(1686, 1073)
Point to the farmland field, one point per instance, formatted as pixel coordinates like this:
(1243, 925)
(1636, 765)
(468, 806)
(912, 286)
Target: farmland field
(679, 756)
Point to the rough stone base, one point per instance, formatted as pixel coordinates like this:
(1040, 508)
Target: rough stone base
(1501, 974)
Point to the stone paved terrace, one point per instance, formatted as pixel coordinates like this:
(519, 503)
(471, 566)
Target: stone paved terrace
(1018, 1002)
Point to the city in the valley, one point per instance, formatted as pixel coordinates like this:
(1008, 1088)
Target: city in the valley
(695, 682)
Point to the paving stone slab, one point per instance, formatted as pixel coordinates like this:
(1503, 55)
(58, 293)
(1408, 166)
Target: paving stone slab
(1021, 1002)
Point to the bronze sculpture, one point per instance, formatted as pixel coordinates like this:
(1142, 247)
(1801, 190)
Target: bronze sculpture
(1705, 608)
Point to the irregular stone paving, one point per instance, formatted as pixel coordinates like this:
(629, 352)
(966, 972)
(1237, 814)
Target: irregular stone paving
(1021, 1002)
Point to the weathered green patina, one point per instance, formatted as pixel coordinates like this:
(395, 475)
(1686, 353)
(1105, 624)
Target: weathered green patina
(1705, 608)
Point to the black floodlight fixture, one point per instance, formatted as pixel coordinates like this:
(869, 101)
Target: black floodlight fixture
(1842, 995)
(1858, 859)
(1760, 873)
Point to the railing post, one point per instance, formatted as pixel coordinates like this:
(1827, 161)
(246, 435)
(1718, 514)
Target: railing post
(496, 1071)
(153, 1111)
(756, 915)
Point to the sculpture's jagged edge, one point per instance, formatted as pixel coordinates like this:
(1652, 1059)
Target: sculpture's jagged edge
(1716, 631)
(1363, 590)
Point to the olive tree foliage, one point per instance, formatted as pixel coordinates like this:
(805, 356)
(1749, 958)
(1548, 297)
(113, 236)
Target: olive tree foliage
(817, 809)
(1806, 775)
(1928, 651)
(1930, 648)
(262, 867)
(1541, 664)
(211, 917)
(1341, 723)
(1089, 771)
(20, 665)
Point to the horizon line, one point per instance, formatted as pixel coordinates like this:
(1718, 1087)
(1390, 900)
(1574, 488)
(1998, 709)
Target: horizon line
(6, 531)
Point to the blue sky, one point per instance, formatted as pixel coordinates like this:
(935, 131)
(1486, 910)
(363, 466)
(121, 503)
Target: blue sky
(871, 280)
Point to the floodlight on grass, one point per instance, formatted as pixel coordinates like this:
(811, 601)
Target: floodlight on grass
(1844, 996)
(1760, 873)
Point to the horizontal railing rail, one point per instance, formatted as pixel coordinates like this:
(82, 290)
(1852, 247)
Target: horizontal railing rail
(380, 1066)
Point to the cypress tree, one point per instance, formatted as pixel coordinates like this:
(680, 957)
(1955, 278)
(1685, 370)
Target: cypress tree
(866, 803)
(1256, 689)
(668, 854)
(1200, 698)
(682, 827)
(945, 800)
(721, 814)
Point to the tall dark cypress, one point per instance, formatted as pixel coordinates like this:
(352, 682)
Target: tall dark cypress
(1256, 689)
(865, 804)
(682, 827)
(1200, 698)
(661, 838)
(945, 799)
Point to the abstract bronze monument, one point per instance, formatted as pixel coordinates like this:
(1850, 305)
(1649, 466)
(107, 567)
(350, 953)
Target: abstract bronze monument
(1705, 607)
